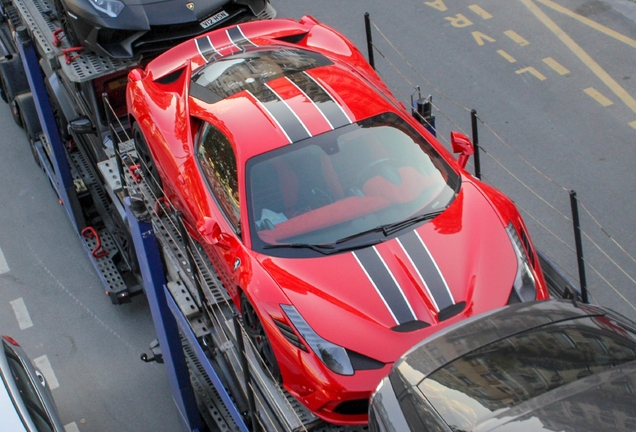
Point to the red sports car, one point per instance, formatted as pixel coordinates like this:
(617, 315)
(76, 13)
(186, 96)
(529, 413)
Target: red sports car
(343, 231)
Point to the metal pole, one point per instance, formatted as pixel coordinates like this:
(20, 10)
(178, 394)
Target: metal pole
(367, 25)
(473, 118)
(579, 245)
(238, 329)
(113, 136)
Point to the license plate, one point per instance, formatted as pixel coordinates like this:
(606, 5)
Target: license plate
(220, 16)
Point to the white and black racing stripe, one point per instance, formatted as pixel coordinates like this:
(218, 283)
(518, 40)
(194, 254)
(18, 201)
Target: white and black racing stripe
(427, 269)
(326, 104)
(205, 47)
(293, 128)
(238, 38)
(385, 284)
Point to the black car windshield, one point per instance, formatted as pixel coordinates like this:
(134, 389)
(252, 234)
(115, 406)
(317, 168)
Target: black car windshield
(330, 188)
(510, 371)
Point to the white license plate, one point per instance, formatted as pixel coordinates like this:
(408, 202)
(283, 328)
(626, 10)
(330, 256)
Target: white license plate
(214, 19)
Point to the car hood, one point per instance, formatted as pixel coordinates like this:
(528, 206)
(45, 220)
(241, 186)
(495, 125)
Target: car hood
(170, 12)
(391, 295)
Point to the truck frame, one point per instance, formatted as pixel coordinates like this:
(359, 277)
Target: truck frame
(71, 104)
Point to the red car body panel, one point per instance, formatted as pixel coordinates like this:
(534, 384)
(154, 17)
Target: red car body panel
(335, 294)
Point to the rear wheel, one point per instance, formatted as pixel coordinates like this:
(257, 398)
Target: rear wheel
(30, 121)
(147, 163)
(260, 341)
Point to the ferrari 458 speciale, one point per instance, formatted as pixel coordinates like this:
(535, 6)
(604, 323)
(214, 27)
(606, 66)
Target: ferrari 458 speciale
(342, 229)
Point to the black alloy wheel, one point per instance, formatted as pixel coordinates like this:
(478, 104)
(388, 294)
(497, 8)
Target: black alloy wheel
(260, 341)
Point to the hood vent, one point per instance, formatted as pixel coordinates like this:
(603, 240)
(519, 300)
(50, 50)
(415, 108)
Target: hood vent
(410, 326)
(451, 311)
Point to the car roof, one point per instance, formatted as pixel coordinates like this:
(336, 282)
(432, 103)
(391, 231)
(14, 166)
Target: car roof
(481, 330)
(302, 101)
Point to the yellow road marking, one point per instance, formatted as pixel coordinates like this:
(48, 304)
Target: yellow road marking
(459, 21)
(507, 56)
(589, 22)
(598, 97)
(515, 37)
(437, 4)
(633, 124)
(532, 71)
(479, 11)
(582, 55)
(480, 38)
(558, 67)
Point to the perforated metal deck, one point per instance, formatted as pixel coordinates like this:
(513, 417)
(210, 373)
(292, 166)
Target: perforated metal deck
(40, 18)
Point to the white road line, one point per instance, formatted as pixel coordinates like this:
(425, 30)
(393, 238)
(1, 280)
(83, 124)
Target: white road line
(42, 363)
(4, 267)
(71, 427)
(21, 314)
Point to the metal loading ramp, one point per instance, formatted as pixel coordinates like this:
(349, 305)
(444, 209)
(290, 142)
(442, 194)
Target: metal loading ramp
(208, 331)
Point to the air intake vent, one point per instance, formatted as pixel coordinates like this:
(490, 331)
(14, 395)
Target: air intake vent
(353, 407)
(294, 39)
(289, 334)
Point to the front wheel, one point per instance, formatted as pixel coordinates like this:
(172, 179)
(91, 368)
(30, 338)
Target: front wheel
(260, 341)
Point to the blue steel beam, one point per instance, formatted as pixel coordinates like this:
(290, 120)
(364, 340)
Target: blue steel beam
(165, 324)
(62, 179)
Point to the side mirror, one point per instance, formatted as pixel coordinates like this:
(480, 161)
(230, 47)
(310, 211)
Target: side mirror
(136, 75)
(462, 145)
(211, 232)
(81, 126)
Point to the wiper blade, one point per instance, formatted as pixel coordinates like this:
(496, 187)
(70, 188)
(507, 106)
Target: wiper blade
(360, 234)
(321, 248)
(389, 229)
(397, 226)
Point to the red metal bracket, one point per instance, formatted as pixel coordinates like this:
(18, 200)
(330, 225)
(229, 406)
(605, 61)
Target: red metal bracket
(134, 172)
(57, 39)
(68, 54)
(98, 251)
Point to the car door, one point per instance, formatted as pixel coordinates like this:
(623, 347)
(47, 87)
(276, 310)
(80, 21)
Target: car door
(221, 230)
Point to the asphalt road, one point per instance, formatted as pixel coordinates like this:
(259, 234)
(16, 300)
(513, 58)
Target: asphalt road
(554, 85)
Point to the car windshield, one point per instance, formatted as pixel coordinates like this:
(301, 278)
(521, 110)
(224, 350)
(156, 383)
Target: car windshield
(337, 186)
(510, 371)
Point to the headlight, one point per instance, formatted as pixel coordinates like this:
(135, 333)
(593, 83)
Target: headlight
(333, 356)
(112, 8)
(524, 285)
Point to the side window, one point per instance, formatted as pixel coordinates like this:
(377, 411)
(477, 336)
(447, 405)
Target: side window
(218, 162)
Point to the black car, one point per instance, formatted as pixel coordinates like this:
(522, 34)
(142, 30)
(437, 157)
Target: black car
(542, 366)
(127, 28)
